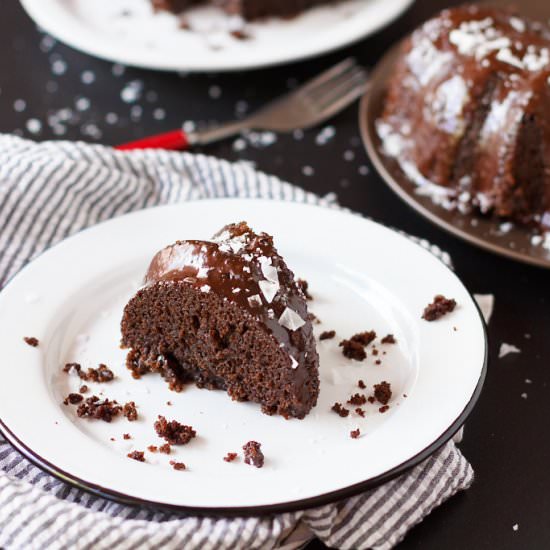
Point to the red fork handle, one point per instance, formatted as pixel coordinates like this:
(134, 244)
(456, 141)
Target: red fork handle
(175, 140)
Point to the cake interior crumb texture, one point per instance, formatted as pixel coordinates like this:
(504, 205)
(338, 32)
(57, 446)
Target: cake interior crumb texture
(226, 314)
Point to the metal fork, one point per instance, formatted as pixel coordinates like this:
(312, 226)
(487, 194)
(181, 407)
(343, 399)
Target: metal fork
(312, 103)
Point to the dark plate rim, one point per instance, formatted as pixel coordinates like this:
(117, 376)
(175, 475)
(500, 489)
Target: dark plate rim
(269, 509)
(371, 143)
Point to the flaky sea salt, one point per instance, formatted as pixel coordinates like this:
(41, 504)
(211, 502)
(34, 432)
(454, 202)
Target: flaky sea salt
(293, 363)
(506, 349)
(291, 320)
(269, 290)
(486, 303)
(254, 300)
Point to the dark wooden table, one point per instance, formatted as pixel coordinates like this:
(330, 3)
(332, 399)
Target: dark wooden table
(507, 437)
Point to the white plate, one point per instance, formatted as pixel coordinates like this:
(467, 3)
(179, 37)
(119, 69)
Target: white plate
(156, 41)
(363, 276)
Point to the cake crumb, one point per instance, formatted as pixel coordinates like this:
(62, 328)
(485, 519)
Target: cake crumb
(384, 408)
(354, 434)
(98, 409)
(360, 412)
(371, 399)
(73, 399)
(230, 457)
(152, 448)
(327, 335)
(165, 449)
(126, 436)
(179, 466)
(382, 392)
(174, 432)
(137, 455)
(339, 410)
(253, 455)
(378, 362)
(83, 388)
(303, 285)
(364, 338)
(389, 339)
(361, 384)
(130, 411)
(438, 308)
(31, 341)
(353, 350)
(357, 399)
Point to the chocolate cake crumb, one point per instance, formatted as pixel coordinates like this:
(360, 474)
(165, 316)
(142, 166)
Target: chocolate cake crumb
(327, 335)
(253, 455)
(439, 307)
(230, 457)
(382, 392)
(357, 399)
(83, 388)
(361, 384)
(31, 341)
(384, 408)
(165, 449)
(99, 409)
(364, 338)
(371, 399)
(152, 448)
(339, 410)
(354, 434)
(303, 285)
(378, 362)
(313, 318)
(102, 374)
(374, 351)
(126, 436)
(73, 399)
(240, 34)
(360, 412)
(389, 339)
(169, 403)
(353, 350)
(174, 432)
(137, 455)
(130, 411)
(177, 465)
(72, 367)
(112, 439)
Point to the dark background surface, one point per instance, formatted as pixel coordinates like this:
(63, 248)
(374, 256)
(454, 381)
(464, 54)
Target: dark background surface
(507, 438)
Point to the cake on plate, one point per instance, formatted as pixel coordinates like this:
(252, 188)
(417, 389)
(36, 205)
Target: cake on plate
(247, 9)
(226, 314)
(467, 112)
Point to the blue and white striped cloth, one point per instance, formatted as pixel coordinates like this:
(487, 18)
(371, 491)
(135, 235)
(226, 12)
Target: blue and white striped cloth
(54, 189)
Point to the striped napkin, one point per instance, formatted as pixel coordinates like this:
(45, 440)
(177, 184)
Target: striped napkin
(54, 189)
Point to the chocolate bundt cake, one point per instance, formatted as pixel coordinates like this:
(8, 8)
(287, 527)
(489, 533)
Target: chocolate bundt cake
(248, 9)
(468, 109)
(226, 314)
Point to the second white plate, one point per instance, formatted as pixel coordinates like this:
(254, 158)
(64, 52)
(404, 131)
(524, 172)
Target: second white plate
(126, 31)
(362, 275)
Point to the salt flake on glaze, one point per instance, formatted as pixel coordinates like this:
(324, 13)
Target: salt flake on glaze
(506, 349)
(254, 301)
(291, 320)
(269, 290)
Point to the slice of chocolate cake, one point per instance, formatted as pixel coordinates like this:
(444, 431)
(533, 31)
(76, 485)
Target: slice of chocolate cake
(226, 314)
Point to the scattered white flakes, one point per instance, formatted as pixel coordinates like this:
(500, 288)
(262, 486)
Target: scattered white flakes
(325, 135)
(135, 112)
(524, 395)
(47, 43)
(271, 314)
(308, 171)
(269, 290)
(291, 320)
(293, 363)
(239, 144)
(202, 272)
(269, 271)
(215, 92)
(87, 77)
(33, 125)
(246, 269)
(159, 114)
(111, 118)
(536, 240)
(132, 91)
(506, 349)
(59, 67)
(261, 139)
(205, 288)
(82, 104)
(189, 126)
(236, 290)
(505, 227)
(515, 527)
(91, 130)
(19, 105)
(363, 170)
(59, 130)
(517, 23)
(349, 155)
(331, 197)
(298, 134)
(255, 300)
(118, 69)
(528, 381)
(486, 303)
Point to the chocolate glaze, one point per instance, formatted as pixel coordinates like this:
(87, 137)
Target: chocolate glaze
(468, 109)
(243, 267)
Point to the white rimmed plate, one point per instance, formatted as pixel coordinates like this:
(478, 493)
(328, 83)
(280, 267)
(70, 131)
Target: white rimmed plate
(362, 275)
(126, 31)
